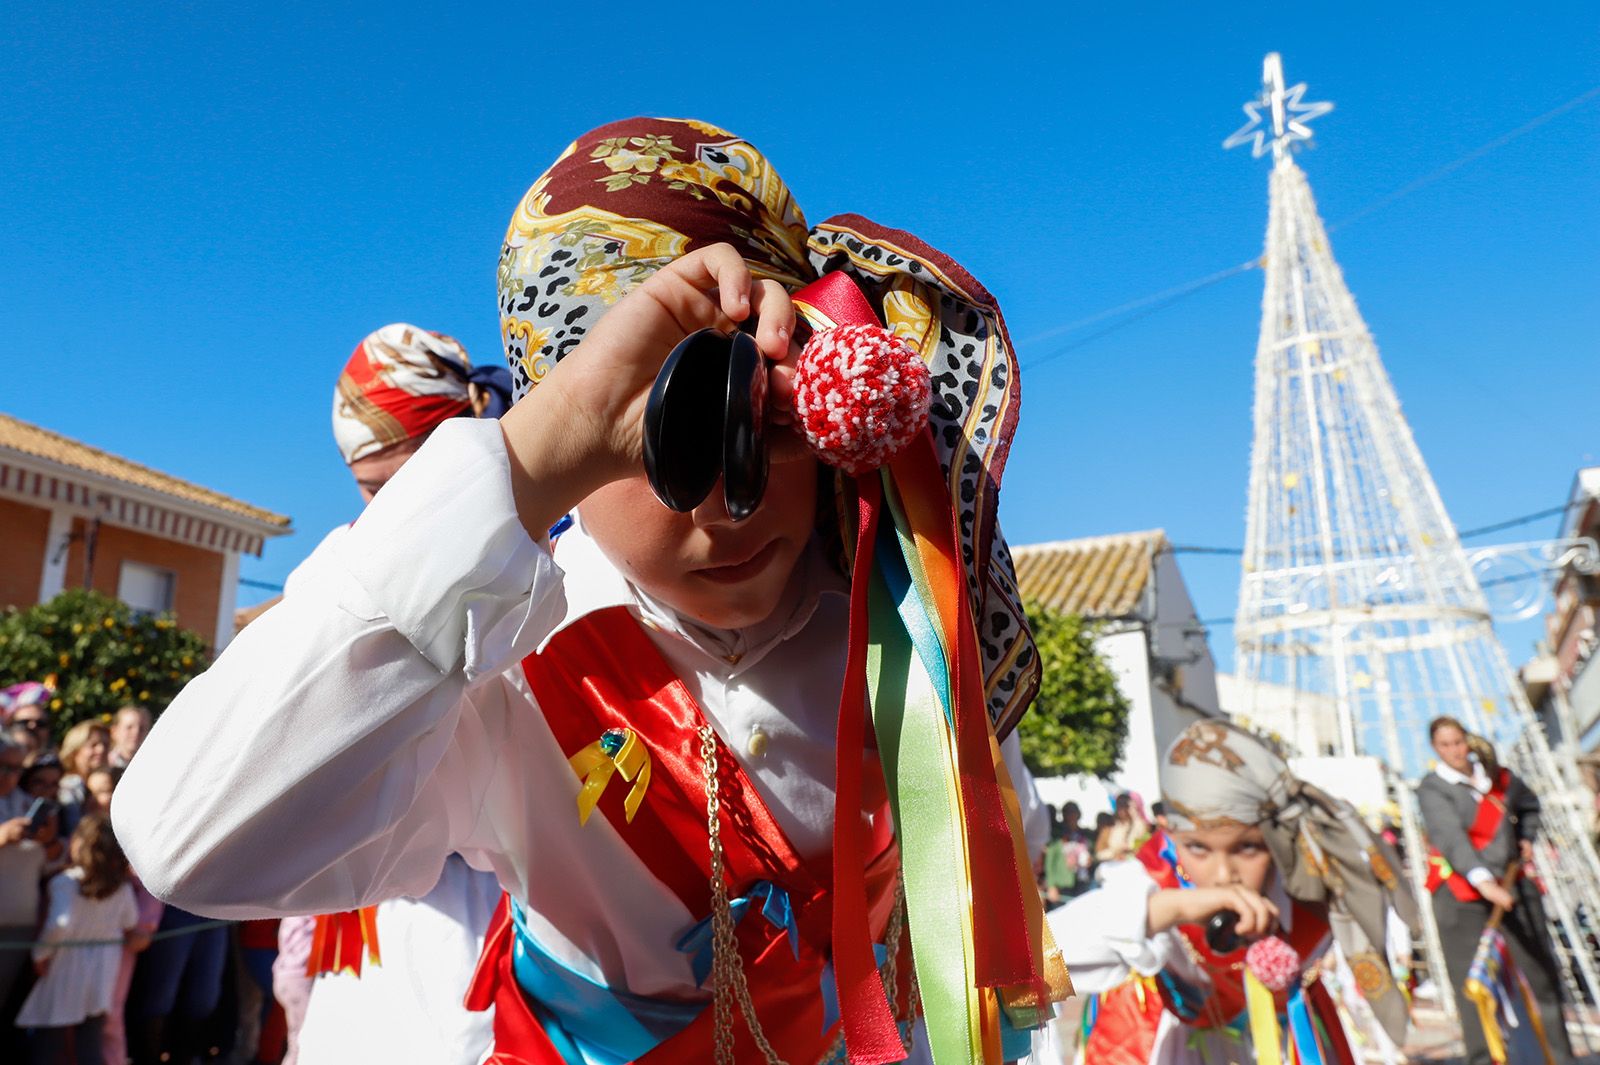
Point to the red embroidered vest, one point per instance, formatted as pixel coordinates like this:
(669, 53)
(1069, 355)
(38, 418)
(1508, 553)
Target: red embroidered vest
(602, 672)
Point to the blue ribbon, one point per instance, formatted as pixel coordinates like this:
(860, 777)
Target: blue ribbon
(830, 987)
(776, 908)
(588, 1022)
(1302, 1030)
(914, 614)
(1169, 854)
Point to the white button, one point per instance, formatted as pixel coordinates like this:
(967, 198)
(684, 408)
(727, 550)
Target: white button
(757, 746)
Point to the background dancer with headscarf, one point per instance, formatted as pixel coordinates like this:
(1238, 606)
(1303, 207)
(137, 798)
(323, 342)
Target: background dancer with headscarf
(1300, 872)
(442, 683)
(388, 982)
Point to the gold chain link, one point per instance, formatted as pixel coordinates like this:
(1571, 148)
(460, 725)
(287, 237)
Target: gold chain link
(728, 983)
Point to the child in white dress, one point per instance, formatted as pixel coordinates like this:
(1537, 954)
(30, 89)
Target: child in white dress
(91, 910)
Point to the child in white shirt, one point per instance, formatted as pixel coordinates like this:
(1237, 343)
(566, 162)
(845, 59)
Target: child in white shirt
(91, 913)
(448, 681)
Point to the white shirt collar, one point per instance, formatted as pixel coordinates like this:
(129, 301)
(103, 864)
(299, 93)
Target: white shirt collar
(593, 584)
(1478, 781)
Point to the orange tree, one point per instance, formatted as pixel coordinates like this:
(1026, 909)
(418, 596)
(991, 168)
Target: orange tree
(101, 653)
(1079, 720)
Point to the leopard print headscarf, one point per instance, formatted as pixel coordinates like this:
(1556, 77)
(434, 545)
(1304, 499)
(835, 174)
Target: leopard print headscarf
(1215, 774)
(626, 199)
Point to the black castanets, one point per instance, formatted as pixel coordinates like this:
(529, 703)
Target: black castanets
(705, 419)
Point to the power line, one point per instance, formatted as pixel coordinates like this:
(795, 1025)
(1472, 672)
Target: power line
(1159, 301)
(1132, 305)
(268, 585)
(1523, 519)
(1473, 156)
(1143, 308)
(1510, 578)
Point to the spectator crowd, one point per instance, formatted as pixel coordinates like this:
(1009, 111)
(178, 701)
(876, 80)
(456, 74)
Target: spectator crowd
(92, 968)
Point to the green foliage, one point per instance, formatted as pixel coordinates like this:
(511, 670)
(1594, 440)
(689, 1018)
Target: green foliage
(102, 654)
(1079, 720)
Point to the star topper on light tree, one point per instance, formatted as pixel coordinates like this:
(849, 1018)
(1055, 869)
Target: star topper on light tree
(1287, 109)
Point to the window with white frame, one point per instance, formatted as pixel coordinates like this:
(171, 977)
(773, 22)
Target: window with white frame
(147, 589)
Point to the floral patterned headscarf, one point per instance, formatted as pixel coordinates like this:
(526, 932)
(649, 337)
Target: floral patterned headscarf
(1216, 774)
(402, 383)
(626, 199)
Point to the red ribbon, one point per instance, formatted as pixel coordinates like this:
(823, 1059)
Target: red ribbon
(870, 1034)
(1004, 954)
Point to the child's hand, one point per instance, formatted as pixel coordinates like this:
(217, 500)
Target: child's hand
(1258, 915)
(41, 966)
(582, 427)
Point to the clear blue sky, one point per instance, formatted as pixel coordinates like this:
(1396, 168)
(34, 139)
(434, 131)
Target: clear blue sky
(202, 212)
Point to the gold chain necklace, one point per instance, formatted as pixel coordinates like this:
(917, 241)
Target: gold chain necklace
(730, 989)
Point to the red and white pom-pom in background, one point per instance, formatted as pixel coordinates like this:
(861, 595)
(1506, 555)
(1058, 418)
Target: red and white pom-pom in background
(1275, 963)
(860, 395)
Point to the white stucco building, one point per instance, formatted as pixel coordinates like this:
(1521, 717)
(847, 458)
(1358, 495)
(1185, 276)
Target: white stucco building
(1150, 637)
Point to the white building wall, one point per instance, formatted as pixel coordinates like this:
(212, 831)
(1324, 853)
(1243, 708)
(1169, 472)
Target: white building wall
(1172, 648)
(227, 600)
(1128, 656)
(54, 575)
(1178, 639)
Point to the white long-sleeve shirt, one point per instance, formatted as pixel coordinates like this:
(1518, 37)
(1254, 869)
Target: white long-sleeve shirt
(1105, 939)
(377, 719)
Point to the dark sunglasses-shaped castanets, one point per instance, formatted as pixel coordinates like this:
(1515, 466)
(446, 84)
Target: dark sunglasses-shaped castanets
(704, 419)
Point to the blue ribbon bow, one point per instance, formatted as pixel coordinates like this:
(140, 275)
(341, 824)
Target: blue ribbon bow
(776, 908)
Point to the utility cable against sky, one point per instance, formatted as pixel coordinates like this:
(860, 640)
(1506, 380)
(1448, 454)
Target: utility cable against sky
(1139, 309)
(1462, 534)
(1202, 549)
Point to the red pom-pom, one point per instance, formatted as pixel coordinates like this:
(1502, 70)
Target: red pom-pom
(1275, 963)
(860, 395)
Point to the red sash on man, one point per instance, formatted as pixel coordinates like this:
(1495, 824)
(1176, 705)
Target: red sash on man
(602, 672)
(1130, 1014)
(1485, 826)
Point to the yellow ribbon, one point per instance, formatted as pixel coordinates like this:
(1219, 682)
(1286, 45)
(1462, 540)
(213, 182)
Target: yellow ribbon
(1488, 1017)
(619, 750)
(1264, 1031)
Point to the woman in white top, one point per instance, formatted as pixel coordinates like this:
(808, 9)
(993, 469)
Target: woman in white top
(91, 912)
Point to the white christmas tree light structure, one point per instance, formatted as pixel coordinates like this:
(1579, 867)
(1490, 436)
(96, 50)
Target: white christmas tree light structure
(1355, 587)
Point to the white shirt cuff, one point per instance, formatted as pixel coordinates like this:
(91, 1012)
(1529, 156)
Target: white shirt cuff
(1479, 876)
(442, 554)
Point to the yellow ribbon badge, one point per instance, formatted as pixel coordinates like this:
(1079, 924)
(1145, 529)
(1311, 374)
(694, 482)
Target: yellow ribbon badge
(618, 750)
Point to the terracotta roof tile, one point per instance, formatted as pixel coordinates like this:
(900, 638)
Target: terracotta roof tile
(27, 439)
(1097, 577)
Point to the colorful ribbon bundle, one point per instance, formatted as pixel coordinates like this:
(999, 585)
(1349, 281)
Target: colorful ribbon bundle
(987, 969)
(340, 940)
(1498, 988)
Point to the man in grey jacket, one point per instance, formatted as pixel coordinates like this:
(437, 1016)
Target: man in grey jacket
(1478, 823)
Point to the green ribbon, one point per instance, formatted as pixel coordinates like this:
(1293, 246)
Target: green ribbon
(919, 769)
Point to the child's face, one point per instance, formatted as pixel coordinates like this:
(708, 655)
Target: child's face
(44, 784)
(703, 564)
(100, 786)
(1226, 854)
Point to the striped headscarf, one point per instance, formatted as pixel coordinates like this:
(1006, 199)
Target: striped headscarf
(1216, 774)
(630, 197)
(402, 382)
